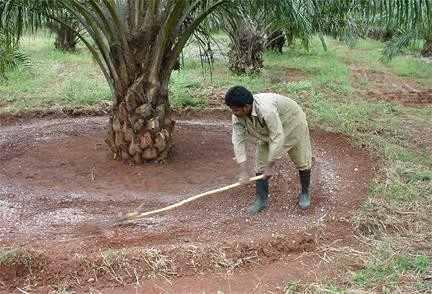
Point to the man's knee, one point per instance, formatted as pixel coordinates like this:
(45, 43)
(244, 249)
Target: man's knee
(302, 158)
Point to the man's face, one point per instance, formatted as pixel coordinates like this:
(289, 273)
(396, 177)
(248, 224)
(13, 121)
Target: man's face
(241, 111)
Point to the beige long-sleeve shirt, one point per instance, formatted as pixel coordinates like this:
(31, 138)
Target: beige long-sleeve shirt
(273, 121)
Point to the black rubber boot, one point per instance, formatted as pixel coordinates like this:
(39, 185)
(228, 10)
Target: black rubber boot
(304, 197)
(262, 188)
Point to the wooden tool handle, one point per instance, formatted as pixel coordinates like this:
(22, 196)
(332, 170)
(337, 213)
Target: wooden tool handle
(137, 215)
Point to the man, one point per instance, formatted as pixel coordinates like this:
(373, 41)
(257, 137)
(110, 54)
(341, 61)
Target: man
(279, 126)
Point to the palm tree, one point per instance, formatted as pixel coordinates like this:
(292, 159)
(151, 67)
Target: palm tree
(66, 38)
(254, 25)
(275, 40)
(136, 44)
(247, 43)
(338, 19)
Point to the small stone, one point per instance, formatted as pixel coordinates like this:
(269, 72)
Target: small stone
(91, 280)
(356, 169)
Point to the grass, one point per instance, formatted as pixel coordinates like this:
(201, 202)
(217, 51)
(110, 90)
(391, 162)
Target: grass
(389, 270)
(394, 219)
(383, 274)
(367, 53)
(53, 79)
(57, 79)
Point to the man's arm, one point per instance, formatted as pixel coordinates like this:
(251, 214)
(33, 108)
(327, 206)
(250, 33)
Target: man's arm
(276, 135)
(239, 141)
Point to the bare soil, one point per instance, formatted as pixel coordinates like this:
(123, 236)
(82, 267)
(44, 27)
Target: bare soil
(56, 175)
(389, 87)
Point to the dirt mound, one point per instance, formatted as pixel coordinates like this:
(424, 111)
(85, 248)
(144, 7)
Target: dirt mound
(9, 118)
(388, 87)
(57, 175)
(408, 97)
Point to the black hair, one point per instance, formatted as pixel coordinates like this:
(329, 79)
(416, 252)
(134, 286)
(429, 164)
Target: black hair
(238, 96)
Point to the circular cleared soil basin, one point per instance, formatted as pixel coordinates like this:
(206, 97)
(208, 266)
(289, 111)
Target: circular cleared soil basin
(56, 175)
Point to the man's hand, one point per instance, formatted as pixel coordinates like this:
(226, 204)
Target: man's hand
(269, 170)
(243, 176)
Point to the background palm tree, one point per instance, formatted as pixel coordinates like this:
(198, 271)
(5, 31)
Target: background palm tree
(253, 26)
(247, 41)
(66, 38)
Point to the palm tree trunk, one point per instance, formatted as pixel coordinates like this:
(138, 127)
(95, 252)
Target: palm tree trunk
(275, 41)
(141, 127)
(246, 52)
(65, 39)
(427, 48)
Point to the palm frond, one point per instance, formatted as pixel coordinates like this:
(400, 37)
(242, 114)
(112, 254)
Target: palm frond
(407, 20)
(10, 57)
(395, 45)
(19, 15)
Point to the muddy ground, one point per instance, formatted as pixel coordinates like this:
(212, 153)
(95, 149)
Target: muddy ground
(56, 175)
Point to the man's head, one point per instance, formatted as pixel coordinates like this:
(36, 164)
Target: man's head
(240, 100)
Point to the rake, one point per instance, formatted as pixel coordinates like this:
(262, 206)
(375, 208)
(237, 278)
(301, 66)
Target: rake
(138, 214)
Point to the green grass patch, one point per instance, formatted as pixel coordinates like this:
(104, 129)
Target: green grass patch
(185, 89)
(323, 67)
(53, 79)
(388, 270)
(368, 53)
(411, 67)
